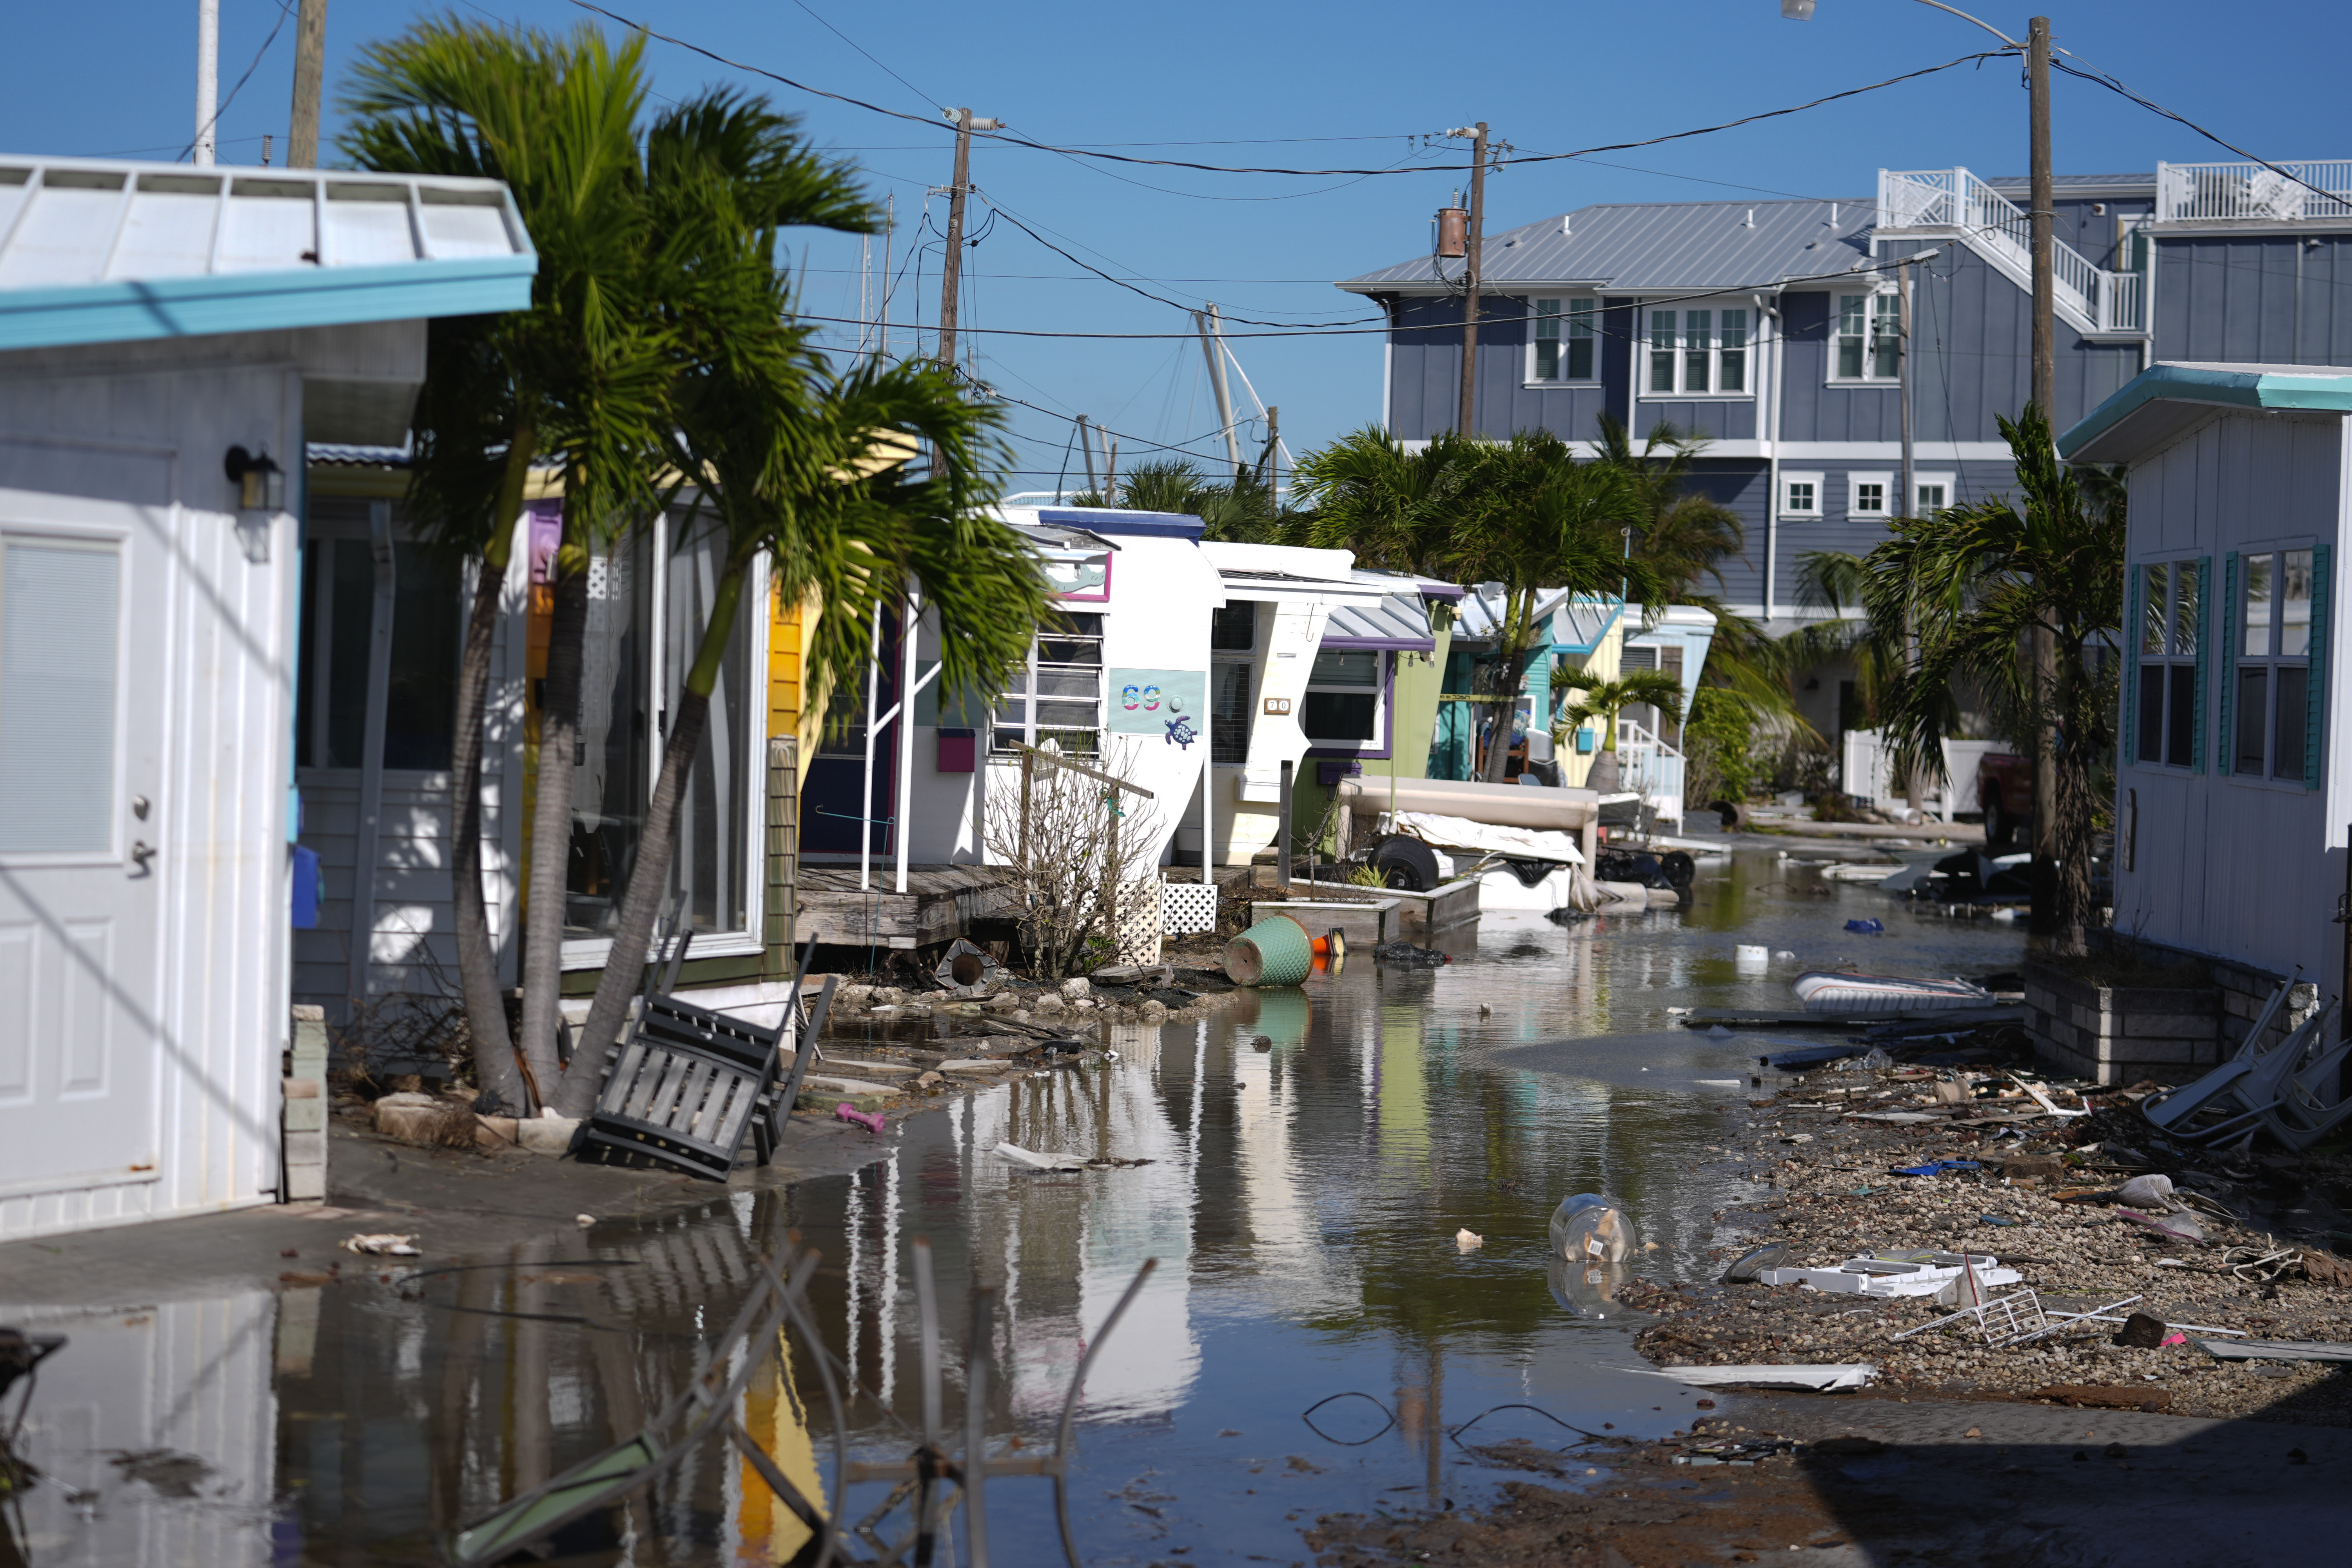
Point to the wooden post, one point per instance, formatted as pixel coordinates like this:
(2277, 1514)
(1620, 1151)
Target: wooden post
(1110, 874)
(1028, 776)
(1282, 833)
(776, 957)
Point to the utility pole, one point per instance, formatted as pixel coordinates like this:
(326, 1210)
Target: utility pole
(1268, 473)
(1470, 274)
(1086, 445)
(952, 274)
(1909, 506)
(207, 79)
(1213, 340)
(2045, 395)
(309, 66)
(889, 231)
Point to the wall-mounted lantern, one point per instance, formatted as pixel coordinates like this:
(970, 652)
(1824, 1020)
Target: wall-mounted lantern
(260, 496)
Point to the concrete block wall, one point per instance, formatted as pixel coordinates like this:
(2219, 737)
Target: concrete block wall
(304, 1175)
(2121, 1034)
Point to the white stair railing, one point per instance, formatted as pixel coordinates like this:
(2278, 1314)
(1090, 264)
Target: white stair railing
(2000, 231)
(1649, 767)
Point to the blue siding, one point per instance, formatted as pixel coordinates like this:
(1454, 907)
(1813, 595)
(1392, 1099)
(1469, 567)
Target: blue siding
(1974, 332)
(1971, 481)
(1743, 485)
(1723, 420)
(1812, 410)
(2263, 298)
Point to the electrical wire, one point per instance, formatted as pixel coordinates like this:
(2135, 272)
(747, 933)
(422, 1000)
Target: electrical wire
(285, 9)
(1157, 298)
(1342, 331)
(2112, 84)
(862, 50)
(1010, 140)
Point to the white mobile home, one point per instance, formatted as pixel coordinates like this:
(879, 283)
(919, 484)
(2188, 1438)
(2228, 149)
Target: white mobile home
(2229, 820)
(170, 337)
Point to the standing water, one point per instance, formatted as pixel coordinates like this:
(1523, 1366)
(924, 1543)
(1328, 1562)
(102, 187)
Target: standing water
(1313, 1339)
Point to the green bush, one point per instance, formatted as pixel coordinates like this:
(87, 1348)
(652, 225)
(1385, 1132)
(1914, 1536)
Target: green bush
(1716, 741)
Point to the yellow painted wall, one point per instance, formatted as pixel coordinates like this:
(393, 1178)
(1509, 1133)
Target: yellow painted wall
(1603, 664)
(793, 708)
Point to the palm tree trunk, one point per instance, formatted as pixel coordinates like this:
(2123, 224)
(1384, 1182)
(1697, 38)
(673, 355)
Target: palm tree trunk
(550, 823)
(1510, 667)
(632, 937)
(494, 1071)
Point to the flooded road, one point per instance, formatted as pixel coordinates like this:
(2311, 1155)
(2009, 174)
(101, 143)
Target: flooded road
(1313, 1153)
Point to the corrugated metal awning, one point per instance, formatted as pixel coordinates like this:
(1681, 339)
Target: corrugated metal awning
(1395, 622)
(96, 250)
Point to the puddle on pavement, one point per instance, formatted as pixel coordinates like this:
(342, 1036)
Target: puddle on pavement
(1302, 1202)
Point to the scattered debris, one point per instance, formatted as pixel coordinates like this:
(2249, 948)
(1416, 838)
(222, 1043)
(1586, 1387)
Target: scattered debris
(1818, 1379)
(383, 1245)
(872, 1120)
(1464, 1239)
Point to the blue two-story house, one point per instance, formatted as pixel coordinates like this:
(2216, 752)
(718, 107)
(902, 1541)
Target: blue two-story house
(1772, 327)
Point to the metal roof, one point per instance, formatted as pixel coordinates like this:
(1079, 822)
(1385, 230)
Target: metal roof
(1659, 245)
(2076, 182)
(1398, 621)
(101, 251)
(1578, 623)
(2125, 424)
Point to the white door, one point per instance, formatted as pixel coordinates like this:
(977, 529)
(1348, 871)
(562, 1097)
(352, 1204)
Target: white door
(80, 743)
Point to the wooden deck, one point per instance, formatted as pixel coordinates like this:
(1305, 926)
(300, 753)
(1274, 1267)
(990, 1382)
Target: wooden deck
(940, 903)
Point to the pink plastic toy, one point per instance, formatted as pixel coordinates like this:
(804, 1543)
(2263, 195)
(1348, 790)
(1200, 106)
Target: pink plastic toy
(870, 1119)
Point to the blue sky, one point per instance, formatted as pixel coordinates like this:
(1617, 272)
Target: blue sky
(1305, 87)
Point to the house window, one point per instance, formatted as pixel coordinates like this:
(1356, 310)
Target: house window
(1233, 645)
(1056, 694)
(2270, 683)
(428, 635)
(2171, 621)
(649, 596)
(1869, 497)
(1344, 706)
(1869, 343)
(1932, 493)
(1800, 494)
(1565, 339)
(1694, 352)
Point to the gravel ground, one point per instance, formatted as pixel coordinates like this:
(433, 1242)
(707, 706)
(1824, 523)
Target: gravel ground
(1826, 1189)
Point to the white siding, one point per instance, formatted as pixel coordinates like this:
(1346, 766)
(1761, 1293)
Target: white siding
(2235, 867)
(160, 417)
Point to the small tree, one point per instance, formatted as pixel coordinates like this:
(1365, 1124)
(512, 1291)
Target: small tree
(1971, 584)
(1604, 699)
(1074, 845)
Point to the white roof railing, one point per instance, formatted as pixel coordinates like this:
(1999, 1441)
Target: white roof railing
(1998, 229)
(2251, 192)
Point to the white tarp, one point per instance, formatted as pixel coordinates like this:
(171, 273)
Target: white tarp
(1490, 838)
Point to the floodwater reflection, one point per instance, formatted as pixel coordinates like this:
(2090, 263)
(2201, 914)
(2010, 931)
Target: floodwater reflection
(1312, 1154)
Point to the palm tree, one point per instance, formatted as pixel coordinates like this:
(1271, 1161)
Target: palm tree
(578, 375)
(1689, 538)
(1968, 586)
(1604, 699)
(1244, 512)
(1523, 513)
(791, 461)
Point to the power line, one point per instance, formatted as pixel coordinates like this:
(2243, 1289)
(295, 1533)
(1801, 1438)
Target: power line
(285, 9)
(2112, 84)
(861, 49)
(1008, 139)
(1146, 293)
(1343, 331)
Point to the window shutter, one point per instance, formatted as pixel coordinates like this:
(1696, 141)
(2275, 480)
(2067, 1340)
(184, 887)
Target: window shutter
(2128, 746)
(2315, 688)
(2204, 645)
(2227, 748)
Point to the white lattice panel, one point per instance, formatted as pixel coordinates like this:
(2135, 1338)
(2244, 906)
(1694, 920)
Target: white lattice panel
(1138, 924)
(1187, 908)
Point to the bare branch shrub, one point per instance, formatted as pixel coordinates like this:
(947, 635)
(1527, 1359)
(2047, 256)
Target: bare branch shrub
(1061, 899)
